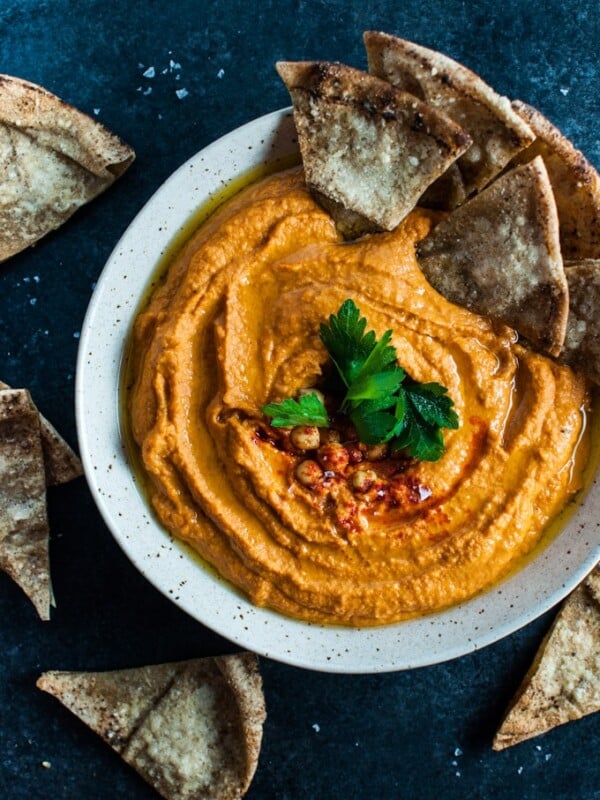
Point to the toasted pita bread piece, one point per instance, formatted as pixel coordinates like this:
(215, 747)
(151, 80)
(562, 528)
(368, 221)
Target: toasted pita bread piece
(497, 131)
(563, 683)
(191, 729)
(53, 159)
(499, 255)
(60, 462)
(575, 182)
(370, 150)
(581, 348)
(23, 516)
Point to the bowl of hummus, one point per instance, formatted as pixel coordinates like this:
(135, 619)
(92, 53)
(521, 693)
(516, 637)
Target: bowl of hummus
(209, 309)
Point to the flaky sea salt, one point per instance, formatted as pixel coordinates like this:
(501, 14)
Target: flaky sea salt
(181, 93)
(149, 73)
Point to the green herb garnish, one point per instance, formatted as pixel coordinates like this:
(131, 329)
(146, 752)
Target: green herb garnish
(306, 410)
(384, 404)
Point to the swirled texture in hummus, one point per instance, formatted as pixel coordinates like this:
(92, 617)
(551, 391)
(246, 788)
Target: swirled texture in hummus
(235, 325)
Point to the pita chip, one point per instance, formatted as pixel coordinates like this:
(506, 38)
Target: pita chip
(497, 131)
(60, 462)
(581, 348)
(369, 150)
(53, 160)
(23, 516)
(499, 255)
(191, 729)
(563, 683)
(575, 182)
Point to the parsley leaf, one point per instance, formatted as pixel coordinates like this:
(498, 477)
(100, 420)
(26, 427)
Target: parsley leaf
(383, 403)
(306, 410)
(375, 387)
(432, 403)
(346, 341)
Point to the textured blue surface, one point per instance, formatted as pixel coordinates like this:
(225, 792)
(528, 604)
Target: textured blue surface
(424, 733)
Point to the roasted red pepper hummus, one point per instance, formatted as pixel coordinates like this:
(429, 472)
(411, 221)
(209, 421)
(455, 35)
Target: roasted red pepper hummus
(235, 325)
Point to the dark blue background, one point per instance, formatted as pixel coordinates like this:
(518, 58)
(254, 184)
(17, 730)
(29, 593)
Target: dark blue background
(424, 733)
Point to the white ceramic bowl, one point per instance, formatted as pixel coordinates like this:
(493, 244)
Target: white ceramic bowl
(535, 588)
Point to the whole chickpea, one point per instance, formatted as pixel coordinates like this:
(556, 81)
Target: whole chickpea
(304, 392)
(363, 480)
(309, 473)
(305, 437)
(329, 435)
(377, 452)
(333, 457)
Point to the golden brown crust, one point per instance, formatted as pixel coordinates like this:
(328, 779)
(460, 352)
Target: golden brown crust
(499, 255)
(191, 729)
(496, 129)
(368, 148)
(563, 683)
(60, 461)
(23, 516)
(53, 160)
(581, 349)
(575, 182)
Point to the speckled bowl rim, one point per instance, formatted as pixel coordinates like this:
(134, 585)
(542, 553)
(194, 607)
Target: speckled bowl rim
(534, 589)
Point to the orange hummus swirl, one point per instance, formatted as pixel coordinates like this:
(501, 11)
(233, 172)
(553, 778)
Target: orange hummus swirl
(235, 325)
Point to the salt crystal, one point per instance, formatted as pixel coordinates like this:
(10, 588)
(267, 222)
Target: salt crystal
(46, 764)
(32, 301)
(520, 771)
(147, 91)
(564, 91)
(220, 73)
(76, 335)
(173, 65)
(316, 727)
(96, 111)
(149, 73)
(181, 93)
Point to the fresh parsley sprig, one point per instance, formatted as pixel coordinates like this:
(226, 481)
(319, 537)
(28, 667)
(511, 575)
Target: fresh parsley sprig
(306, 410)
(384, 404)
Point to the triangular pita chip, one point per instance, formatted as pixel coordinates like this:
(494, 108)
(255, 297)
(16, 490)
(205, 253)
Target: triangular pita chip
(497, 131)
(563, 683)
(575, 182)
(60, 462)
(53, 159)
(581, 348)
(370, 150)
(23, 516)
(191, 729)
(499, 255)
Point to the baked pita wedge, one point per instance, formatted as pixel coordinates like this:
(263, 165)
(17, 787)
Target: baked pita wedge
(575, 182)
(563, 683)
(499, 255)
(369, 150)
(497, 131)
(581, 349)
(53, 159)
(23, 517)
(60, 461)
(191, 729)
